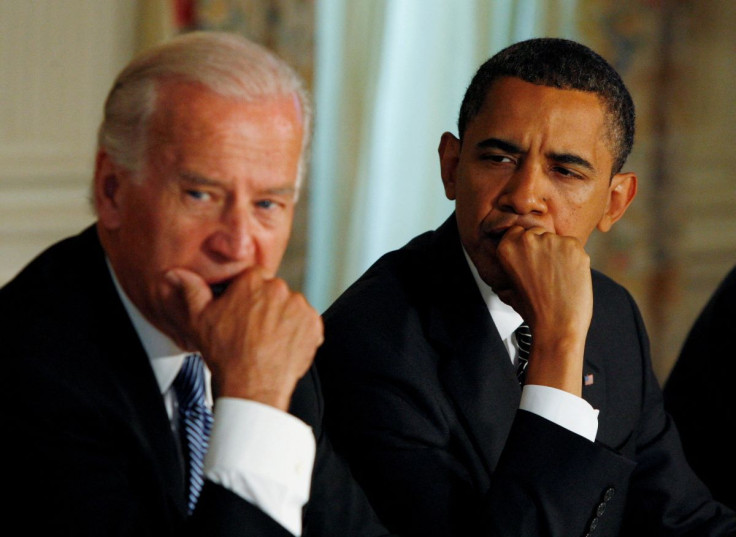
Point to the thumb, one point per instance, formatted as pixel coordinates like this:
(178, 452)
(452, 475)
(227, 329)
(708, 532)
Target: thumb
(193, 290)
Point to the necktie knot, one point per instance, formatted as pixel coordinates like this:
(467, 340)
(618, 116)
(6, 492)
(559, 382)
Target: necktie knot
(524, 341)
(195, 421)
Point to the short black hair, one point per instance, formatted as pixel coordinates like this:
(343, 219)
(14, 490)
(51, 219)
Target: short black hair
(563, 64)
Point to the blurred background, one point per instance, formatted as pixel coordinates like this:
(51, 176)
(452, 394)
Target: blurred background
(387, 78)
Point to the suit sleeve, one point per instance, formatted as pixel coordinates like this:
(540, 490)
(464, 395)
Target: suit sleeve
(409, 444)
(411, 452)
(89, 448)
(222, 513)
(665, 494)
(79, 469)
(699, 393)
(337, 504)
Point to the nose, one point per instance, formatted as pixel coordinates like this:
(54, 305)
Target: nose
(524, 192)
(234, 238)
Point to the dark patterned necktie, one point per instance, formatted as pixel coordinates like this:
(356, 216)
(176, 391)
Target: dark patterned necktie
(524, 340)
(195, 421)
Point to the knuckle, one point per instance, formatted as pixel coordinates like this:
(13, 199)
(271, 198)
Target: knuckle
(249, 281)
(278, 288)
(528, 238)
(299, 303)
(504, 248)
(319, 328)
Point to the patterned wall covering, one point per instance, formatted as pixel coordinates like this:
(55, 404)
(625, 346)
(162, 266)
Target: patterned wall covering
(672, 248)
(679, 238)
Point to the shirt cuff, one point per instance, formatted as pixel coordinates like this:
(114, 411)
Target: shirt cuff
(563, 408)
(264, 455)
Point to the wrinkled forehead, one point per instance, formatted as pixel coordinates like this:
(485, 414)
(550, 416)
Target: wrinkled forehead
(502, 95)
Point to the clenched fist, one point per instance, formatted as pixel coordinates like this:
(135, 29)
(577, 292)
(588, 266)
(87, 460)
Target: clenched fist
(258, 338)
(553, 291)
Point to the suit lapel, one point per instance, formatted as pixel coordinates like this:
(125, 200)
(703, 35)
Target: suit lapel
(598, 345)
(477, 373)
(594, 381)
(138, 395)
(476, 370)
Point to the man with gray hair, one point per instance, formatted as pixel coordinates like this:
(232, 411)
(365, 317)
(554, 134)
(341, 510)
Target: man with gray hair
(117, 341)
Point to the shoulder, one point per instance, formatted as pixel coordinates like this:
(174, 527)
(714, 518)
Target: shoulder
(66, 287)
(59, 271)
(58, 310)
(394, 283)
(723, 301)
(383, 313)
(609, 289)
(617, 328)
(705, 338)
(612, 300)
(405, 277)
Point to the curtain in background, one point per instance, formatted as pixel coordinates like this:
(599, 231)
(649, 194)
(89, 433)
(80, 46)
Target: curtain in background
(389, 79)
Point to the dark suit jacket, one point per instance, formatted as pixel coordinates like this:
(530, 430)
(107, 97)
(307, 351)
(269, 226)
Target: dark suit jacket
(91, 448)
(423, 401)
(699, 393)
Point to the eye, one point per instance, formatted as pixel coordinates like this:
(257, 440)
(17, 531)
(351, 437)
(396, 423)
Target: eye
(566, 172)
(265, 204)
(497, 158)
(199, 195)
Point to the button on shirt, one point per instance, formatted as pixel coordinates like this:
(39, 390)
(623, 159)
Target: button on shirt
(259, 452)
(563, 408)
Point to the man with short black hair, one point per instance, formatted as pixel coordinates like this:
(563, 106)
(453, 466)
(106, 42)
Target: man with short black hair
(482, 380)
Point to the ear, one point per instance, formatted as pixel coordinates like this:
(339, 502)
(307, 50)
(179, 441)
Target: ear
(449, 151)
(621, 193)
(107, 194)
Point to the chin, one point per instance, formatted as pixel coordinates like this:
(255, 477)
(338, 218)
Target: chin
(498, 280)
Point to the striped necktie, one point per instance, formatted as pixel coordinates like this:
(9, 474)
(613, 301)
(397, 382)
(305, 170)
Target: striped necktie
(524, 340)
(195, 422)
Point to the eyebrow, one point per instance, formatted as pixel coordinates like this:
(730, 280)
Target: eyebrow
(509, 147)
(201, 180)
(497, 143)
(568, 158)
(198, 179)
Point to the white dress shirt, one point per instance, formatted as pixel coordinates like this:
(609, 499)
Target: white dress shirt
(563, 408)
(259, 452)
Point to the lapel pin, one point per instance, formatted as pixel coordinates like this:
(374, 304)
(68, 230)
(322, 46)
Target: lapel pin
(588, 379)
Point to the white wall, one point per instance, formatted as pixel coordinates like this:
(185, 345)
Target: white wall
(57, 61)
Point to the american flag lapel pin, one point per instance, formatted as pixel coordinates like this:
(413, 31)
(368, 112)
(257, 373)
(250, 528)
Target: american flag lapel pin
(588, 379)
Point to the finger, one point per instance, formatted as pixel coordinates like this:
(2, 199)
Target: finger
(251, 279)
(537, 230)
(192, 289)
(513, 233)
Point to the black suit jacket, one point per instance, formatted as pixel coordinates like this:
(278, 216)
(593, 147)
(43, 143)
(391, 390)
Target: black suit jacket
(699, 395)
(423, 401)
(91, 448)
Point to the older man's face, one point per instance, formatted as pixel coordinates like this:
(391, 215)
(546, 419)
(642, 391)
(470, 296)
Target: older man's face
(216, 194)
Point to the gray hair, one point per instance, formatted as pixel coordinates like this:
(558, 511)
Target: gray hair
(227, 64)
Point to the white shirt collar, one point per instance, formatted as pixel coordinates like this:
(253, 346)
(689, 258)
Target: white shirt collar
(506, 319)
(165, 356)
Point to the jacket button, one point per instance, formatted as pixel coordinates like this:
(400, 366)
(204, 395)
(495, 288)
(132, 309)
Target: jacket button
(609, 494)
(593, 524)
(601, 508)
